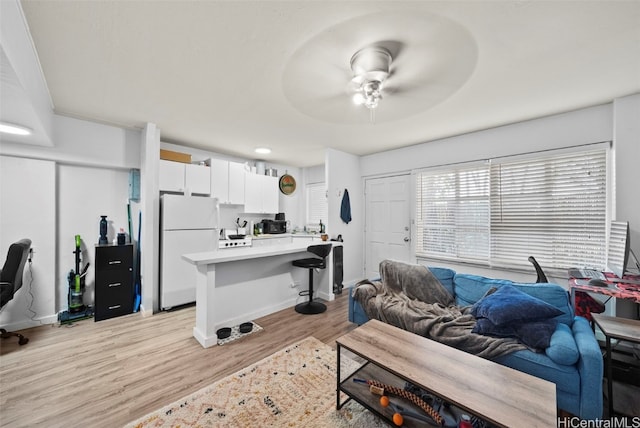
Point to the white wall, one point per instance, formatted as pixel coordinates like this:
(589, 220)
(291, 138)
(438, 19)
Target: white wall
(343, 172)
(65, 189)
(86, 193)
(626, 139)
(27, 210)
(563, 130)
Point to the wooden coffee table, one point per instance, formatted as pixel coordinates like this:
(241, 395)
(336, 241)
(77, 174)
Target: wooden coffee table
(495, 393)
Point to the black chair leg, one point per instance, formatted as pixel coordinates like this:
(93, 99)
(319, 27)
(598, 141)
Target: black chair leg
(7, 334)
(310, 307)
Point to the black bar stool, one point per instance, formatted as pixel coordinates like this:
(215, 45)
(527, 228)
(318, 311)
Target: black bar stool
(311, 307)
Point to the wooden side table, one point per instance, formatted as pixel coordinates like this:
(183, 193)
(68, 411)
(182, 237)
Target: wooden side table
(616, 328)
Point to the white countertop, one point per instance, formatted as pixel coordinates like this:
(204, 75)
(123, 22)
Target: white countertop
(286, 235)
(246, 253)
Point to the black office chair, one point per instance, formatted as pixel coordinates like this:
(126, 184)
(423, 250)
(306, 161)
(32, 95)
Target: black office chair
(322, 251)
(585, 304)
(11, 279)
(541, 276)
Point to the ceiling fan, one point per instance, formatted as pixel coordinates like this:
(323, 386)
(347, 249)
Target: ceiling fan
(395, 64)
(371, 68)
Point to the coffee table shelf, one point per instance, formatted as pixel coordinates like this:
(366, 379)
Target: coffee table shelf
(360, 393)
(497, 394)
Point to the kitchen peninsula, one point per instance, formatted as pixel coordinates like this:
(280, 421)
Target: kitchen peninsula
(242, 284)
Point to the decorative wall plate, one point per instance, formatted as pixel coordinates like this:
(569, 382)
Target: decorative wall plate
(287, 184)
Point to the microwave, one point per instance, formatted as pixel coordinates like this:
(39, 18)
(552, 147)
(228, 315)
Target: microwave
(274, 226)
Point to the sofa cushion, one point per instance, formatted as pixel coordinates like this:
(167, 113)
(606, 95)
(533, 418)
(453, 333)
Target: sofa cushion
(535, 334)
(510, 305)
(445, 276)
(471, 288)
(562, 348)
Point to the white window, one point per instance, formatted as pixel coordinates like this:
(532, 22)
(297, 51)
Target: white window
(316, 205)
(552, 207)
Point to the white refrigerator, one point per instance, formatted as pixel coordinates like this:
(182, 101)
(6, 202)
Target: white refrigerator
(188, 224)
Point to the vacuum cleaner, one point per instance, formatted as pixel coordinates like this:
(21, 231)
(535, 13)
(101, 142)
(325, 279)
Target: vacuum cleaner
(77, 309)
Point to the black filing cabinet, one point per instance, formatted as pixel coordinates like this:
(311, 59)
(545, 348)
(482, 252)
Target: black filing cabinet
(114, 281)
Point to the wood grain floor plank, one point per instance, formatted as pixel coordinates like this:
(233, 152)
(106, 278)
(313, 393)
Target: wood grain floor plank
(108, 373)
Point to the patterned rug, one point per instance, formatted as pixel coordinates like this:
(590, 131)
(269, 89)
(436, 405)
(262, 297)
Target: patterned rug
(295, 387)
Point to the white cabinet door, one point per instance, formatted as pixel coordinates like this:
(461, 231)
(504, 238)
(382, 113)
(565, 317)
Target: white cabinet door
(220, 180)
(261, 194)
(270, 197)
(198, 179)
(227, 181)
(236, 183)
(253, 193)
(171, 176)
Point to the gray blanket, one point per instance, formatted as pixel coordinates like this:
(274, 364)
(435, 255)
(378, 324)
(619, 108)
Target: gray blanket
(411, 297)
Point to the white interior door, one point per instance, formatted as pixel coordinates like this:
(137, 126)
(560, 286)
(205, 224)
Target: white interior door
(388, 221)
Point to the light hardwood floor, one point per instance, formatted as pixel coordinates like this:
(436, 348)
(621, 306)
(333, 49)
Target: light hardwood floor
(108, 373)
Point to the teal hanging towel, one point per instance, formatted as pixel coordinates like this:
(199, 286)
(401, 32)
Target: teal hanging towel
(345, 208)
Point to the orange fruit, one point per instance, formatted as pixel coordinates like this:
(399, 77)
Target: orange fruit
(384, 401)
(398, 419)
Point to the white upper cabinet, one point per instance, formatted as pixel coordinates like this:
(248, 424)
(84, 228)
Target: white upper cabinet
(237, 175)
(261, 194)
(227, 181)
(183, 177)
(171, 176)
(197, 179)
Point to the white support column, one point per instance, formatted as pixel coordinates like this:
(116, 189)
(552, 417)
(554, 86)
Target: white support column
(205, 328)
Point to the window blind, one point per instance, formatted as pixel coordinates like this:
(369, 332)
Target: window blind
(551, 207)
(452, 219)
(317, 208)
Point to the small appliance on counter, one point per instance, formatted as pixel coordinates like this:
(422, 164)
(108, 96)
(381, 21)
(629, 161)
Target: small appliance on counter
(273, 227)
(231, 239)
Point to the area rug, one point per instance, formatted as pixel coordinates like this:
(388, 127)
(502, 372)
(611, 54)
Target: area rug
(294, 387)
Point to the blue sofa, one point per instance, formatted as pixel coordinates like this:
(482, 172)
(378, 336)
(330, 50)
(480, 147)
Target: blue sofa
(573, 361)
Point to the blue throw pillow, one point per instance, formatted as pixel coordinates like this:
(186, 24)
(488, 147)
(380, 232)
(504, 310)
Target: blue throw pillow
(534, 334)
(510, 305)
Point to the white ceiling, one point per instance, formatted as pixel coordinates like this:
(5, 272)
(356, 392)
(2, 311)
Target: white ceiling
(229, 76)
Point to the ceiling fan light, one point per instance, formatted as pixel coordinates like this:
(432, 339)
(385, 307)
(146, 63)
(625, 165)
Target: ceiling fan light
(10, 128)
(371, 102)
(370, 67)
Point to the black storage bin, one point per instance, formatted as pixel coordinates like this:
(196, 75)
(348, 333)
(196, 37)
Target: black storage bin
(338, 274)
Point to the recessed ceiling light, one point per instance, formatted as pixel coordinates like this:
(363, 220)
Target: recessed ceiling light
(10, 128)
(263, 150)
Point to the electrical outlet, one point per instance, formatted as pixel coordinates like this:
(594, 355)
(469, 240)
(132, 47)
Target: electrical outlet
(294, 284)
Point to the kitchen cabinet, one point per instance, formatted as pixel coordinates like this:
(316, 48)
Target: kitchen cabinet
(114, 281)
(227, 181)
(183, 177)
(261, 194)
